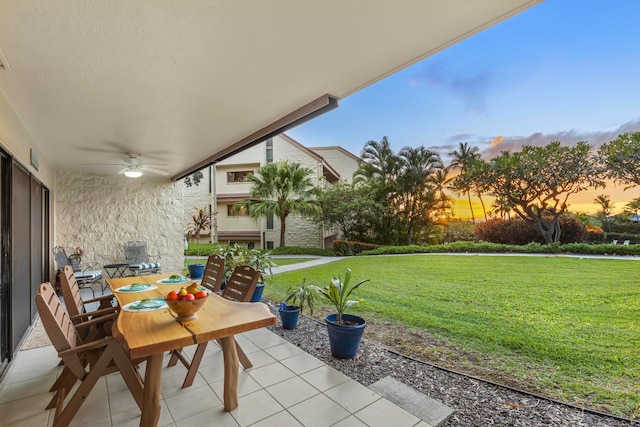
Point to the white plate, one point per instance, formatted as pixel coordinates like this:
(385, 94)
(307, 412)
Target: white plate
(137, 287)
(146, 305)
(168, 281)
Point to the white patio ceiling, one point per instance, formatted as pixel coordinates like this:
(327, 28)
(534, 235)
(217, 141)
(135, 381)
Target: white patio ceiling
(179, 81)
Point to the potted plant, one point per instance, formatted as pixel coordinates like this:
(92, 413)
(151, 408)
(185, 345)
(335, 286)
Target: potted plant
(306, 293)
(345, 330)
(200, 221)
(262, 262)
(76, 258)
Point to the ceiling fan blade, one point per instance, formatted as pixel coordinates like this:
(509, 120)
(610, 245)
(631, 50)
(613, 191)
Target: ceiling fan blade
(121, 171)
(154, 170)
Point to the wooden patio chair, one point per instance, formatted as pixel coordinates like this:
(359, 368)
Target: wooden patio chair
(140, 263)
(102, 356)
(240, 288)
(76, 306)
(213, 273)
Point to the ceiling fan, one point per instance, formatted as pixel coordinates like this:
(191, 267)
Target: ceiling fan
(133, 167)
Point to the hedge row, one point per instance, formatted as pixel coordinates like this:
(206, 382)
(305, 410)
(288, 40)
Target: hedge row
(298, 250)
(533, 248)
(350, 247)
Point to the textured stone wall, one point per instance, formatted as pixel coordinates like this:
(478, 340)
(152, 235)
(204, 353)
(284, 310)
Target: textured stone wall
(100, 212)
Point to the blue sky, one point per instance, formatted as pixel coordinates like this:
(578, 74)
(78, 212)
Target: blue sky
(566, 70)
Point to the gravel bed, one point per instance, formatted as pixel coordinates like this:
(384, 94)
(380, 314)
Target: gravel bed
(476, 403)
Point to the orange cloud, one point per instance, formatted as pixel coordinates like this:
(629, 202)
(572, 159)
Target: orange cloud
(497, 141)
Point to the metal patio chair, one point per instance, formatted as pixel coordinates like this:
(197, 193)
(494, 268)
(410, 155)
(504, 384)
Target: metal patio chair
(140, 263)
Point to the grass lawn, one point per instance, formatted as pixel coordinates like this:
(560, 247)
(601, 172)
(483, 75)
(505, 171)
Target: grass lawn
(568, 328)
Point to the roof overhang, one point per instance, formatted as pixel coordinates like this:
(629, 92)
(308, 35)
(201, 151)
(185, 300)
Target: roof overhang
(187, 83)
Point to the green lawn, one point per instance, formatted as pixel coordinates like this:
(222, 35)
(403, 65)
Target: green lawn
(566, 327)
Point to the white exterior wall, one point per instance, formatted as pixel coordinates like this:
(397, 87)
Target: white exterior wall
(342, 162)
(200, 197)
(100, 213)
(234, 223)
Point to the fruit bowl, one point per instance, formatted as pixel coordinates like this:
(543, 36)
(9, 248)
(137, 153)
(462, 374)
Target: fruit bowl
(186, 309)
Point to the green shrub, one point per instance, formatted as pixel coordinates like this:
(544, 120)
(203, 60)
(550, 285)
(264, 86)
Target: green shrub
(206, 249)
(507, 231)
(531, 248)
(297, 250)
(350, 247)
(516, 231)
(458, 230)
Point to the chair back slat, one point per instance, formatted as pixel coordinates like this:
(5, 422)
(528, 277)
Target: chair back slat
(135, 252)
(241, 284)
(213, 273)
(71, 292)
(55, 319)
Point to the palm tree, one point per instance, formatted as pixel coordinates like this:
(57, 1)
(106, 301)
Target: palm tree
(605, 207)
(379, 163)
(633, 207)
(281, 188)
(502, 207)
(462, 160)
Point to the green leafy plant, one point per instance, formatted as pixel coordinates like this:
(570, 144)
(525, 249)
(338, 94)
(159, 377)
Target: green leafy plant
(305, 293)
(201, 221)
(235, 255)
(338, 293)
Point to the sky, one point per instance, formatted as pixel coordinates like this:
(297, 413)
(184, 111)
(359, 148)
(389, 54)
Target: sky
(564, 70)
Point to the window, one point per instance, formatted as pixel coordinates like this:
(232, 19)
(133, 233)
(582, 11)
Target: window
(238, 176)
(251, 245)
(269, 150)
(270, 222)
(239, 212)
(269, 245)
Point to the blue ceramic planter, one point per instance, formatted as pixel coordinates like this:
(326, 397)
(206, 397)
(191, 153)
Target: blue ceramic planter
(289, 315)
(196, 271)
(345, 339)
(257, 294)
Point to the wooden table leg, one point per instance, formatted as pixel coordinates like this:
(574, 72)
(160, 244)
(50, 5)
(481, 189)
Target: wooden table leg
(230, 373)
(152, 391)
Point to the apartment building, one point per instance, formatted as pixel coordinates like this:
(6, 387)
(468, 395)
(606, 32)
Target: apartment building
(224, 184)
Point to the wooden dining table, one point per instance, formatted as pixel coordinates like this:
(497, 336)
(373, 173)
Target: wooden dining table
(148, 334)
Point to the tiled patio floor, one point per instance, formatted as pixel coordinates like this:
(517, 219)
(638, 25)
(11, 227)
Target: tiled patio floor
(285, 387)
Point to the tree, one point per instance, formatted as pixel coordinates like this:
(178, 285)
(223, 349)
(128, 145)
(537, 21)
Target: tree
(416, 196)
(351, 208)
(463, 159)
(409, 188)
(281, 188)
(537, 182)
(633, 207)
(379, 169)
(620, 159)
(200, 221)
(606, 206)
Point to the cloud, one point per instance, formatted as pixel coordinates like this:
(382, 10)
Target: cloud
(471, 87)
(501, 143)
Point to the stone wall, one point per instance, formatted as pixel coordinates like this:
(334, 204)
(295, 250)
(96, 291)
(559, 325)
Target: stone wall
(100, 212)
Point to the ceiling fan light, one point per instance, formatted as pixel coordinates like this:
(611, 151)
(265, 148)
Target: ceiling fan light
(133, 173)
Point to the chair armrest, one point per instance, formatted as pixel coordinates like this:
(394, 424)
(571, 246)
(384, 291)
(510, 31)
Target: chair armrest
(155, 258)
(93, 265)
(96, 320)
(104, 312)
(102, 342)
(99, 299)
